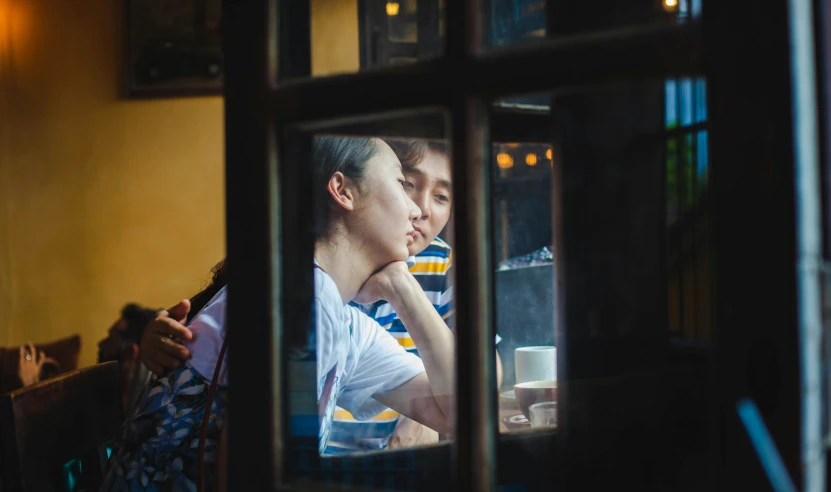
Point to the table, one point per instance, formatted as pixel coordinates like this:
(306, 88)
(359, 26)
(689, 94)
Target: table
(509, 408)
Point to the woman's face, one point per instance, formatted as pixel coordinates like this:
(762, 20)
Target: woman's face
(384, 213)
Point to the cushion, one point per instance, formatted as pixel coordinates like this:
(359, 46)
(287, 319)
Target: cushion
(66, 351)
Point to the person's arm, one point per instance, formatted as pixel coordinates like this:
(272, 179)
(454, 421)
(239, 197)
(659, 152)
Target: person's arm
(159, 350)
(409, 433)
(428, 397)
(30, 364)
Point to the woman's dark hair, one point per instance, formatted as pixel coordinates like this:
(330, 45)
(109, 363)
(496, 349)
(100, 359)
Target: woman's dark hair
(347, 155)
(218, 281)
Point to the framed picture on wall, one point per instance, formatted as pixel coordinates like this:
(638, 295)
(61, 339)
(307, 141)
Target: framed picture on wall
(174, 48)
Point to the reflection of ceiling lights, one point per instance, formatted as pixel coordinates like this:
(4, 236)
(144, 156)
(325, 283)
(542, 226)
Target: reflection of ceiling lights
(548, 154)
(504, 161)
(669, 5)
(393, 7)
(531, 159)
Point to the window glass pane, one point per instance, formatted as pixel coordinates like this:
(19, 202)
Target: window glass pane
(360, 378)
(700, 100)
(702, 162)
(615, 276)
(514, 22)
(687, 199)
(352, 35)
(522, 22)
(524, 276)
(612, 319)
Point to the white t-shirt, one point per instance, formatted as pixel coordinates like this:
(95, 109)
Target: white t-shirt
(356, 357)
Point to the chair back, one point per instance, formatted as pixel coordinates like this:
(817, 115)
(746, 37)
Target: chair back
(48, 424)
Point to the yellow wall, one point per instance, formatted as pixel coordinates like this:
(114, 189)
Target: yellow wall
(102, 200)
(335, 42)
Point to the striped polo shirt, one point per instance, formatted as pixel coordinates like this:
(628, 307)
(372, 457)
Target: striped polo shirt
(430, 270)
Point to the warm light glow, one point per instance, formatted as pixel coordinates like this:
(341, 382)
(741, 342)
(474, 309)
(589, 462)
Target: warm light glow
(512, 145)
(15, 34)
(548, 154)
(531, 159)
(504, 161)
(670, 4)
(393, 7)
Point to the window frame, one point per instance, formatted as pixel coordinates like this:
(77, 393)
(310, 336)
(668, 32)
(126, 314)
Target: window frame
(268, 95)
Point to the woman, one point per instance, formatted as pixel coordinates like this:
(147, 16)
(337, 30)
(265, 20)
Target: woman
(360, 254)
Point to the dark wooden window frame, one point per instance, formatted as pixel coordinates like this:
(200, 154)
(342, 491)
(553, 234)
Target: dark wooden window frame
(270, 101)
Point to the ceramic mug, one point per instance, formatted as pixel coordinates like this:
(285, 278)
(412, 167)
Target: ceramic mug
(535, 364)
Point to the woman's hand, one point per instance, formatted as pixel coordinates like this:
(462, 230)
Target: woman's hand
(31, 362)
(409, 433)
(160, 350)
(381, 283)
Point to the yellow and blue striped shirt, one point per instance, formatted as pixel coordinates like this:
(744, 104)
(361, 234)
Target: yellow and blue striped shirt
(430, 270)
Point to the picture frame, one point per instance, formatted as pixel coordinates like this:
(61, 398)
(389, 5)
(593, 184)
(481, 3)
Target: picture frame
(173, 48)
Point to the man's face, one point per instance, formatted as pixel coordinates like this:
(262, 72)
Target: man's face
(430, 187)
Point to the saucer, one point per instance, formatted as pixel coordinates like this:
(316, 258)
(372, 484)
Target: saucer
(516, 422)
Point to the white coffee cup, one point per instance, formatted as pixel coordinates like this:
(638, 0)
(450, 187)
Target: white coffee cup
(535, 363)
